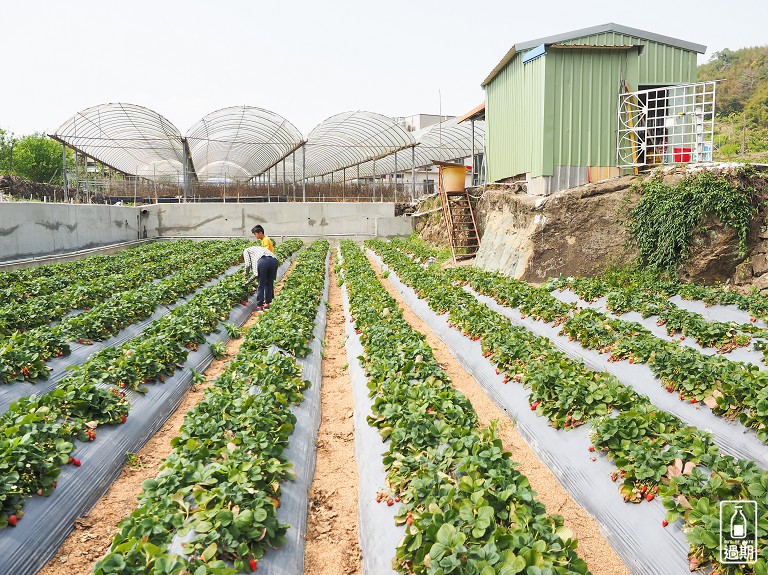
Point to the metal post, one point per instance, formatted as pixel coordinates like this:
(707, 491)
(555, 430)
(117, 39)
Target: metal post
(343, 183)
(395, 176)
(473, 151)
(359, 189)
(304, 173)
(77, 174)
(285, 185)
(63, 172)
(373, 197)
(269, 184)
(293, 183)
(330, 187)
(413, 173)
(185, 173)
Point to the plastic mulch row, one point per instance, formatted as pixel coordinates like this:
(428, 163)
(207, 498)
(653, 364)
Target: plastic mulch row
(47, 522)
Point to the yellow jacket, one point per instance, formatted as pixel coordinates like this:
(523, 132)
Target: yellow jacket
(266, 242)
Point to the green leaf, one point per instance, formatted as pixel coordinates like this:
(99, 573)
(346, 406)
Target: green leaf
(209, 552)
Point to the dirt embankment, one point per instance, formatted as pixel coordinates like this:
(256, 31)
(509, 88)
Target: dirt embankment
(583, 231)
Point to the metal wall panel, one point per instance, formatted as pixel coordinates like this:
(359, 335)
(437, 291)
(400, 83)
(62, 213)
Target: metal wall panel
(585, 86)
(515, 120)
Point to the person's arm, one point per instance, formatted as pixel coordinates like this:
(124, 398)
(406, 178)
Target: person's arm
(249, 263)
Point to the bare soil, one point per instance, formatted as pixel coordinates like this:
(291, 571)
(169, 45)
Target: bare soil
(593, 547)
(332, 546)
(94, 532)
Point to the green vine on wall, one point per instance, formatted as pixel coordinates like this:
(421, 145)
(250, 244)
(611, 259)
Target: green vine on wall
(664, 221)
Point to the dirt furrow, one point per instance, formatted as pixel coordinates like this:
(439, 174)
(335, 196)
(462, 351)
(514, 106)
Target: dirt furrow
(332, 545)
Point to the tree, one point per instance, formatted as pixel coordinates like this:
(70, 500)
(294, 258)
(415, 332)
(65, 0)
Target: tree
(37, 158)
(6, 146)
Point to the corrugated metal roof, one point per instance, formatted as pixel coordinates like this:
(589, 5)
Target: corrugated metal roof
(609, 27)
(476, 113)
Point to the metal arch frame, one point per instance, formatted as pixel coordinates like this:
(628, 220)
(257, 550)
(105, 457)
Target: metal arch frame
(351, 138)
(123, 137)
(248, 138)
(443, 142)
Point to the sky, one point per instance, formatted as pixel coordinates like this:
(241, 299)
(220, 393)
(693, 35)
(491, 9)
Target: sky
(305, 60)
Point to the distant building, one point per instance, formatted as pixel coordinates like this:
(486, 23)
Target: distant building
(553, 111)
(420, 121)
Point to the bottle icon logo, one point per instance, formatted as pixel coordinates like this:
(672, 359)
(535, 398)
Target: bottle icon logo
(738, 532)
(738, 524)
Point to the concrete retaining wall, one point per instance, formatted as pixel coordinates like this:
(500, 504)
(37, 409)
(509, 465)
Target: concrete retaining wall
(32, 229)
(29, 229)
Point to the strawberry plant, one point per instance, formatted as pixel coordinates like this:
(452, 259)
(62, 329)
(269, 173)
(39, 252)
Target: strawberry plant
(656, 454)
(93, 392)
(220, 486)
(465, 506)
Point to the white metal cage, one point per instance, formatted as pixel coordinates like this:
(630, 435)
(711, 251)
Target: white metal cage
(666, 125)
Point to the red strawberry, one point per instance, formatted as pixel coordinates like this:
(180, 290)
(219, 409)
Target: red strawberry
(71, 459)
(254, 564)
(664, 523)
(397, 499)
(77, 462)
(358, 332)
(682, 338)
(390, 502)
(12, 520)
(591, 448)
(534, 405)
(649, 496)
(752, 319)
(244, 302)
(39, 491)
(593, 458)
(123, 418)
(409, 519)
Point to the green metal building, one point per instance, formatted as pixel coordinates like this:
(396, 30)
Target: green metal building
(551, 104)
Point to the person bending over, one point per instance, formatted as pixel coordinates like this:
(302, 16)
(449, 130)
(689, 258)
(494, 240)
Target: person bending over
(260, 261)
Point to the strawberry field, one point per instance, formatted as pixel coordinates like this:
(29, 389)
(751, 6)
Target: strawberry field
(657, 457)
(646, 400)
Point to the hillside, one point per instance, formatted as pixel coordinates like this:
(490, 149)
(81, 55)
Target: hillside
(742, 103)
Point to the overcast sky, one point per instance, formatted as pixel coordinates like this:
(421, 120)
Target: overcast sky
(305, 60)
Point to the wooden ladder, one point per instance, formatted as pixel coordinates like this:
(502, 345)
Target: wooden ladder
(460, 221)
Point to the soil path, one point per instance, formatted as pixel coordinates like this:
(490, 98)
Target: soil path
(94, 532)
(593, 548)
(332, 547)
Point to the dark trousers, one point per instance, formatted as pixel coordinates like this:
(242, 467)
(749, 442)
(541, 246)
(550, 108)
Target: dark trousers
(267, 267)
